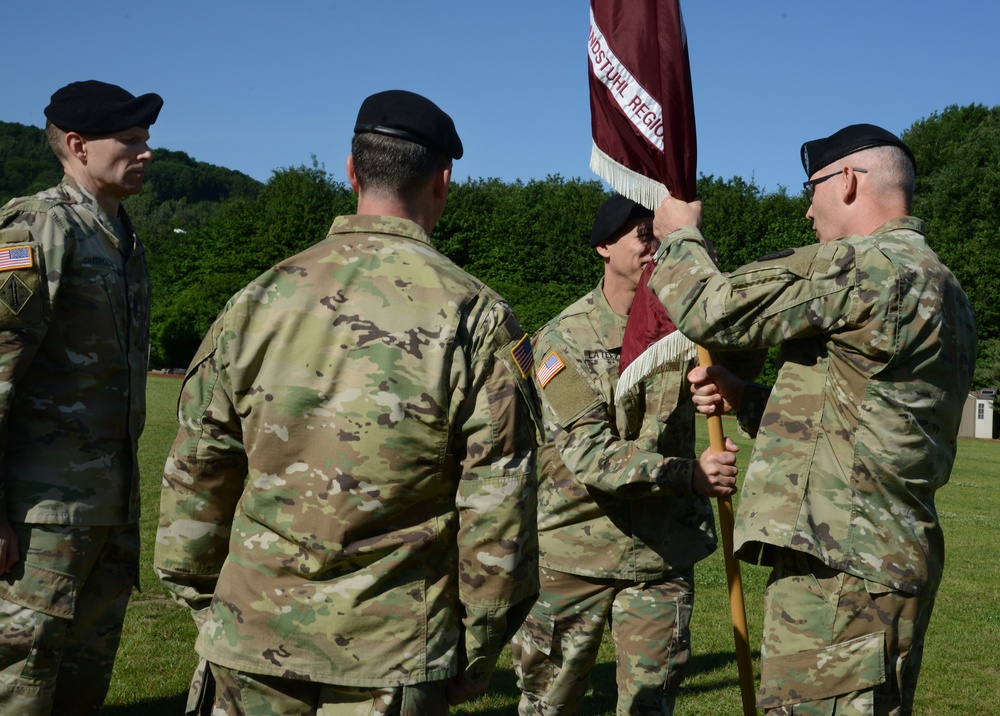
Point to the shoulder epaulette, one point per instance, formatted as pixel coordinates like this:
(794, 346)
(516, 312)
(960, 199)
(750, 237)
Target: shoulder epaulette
(776, 255)
(31, 204)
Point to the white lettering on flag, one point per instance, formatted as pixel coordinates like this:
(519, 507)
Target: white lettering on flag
(638, 105)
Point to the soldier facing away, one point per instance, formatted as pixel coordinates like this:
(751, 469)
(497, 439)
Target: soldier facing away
(349, 506)
(74, 347)
(878, 350)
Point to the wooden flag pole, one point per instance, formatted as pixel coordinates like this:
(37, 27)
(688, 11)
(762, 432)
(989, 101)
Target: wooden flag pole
(727, 523)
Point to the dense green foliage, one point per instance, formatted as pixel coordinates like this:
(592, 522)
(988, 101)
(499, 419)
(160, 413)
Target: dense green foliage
(209, 230)
(195, 271)
(536, 251)
(958, 195)
(27, 163)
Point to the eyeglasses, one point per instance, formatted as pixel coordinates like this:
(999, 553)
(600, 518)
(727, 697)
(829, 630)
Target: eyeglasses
(810, 185)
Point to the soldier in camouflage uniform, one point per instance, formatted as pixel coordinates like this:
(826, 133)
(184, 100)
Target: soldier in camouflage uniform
(349, 506)
(622, 507)
(878, 349)
(74, 338)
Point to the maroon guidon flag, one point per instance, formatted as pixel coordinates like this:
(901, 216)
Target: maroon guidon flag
(641, 105)
(642, 116)
(644, 146)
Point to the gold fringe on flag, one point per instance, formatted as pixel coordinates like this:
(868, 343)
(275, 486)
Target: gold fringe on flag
(632, 185)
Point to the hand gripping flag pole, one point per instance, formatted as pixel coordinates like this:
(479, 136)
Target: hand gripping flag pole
(642, 117)
(665, 354)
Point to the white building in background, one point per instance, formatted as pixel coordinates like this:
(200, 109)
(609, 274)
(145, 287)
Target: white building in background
(977, 416)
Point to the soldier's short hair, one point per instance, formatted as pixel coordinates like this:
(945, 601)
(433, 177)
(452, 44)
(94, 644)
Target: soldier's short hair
(398, 167)
(889, 169)
(57, 139)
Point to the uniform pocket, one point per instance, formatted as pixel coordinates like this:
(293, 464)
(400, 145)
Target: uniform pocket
(90, 316)
(679, 647)
(40, 589)
(36, 606)
(534, 653)
(538, 631)
(854, 665)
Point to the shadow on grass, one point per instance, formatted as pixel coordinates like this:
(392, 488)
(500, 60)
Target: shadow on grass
(603, 694)
(165, 706)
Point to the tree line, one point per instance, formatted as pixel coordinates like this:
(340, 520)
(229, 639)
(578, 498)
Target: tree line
(210, 230)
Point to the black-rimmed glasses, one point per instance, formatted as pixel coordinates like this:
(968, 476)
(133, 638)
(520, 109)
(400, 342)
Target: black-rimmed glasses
(810, 185)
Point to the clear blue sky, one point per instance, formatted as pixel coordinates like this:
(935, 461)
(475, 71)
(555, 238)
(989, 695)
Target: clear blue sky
(257, 85)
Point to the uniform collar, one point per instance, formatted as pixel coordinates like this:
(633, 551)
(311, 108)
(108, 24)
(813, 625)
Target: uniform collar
(908, 223)
(118, 228)
(392, 225)
(610, 325)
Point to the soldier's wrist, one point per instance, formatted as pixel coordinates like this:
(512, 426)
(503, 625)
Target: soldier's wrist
(676, 475)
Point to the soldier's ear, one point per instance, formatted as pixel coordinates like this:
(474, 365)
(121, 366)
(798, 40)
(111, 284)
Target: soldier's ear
(76, 146)
(442, 180)
(850, 185)
(352, 178)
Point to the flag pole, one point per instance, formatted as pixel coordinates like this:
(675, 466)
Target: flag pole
(727, 524)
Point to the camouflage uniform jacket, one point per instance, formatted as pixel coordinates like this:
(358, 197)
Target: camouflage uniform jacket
(878, 349)
(354, 473)
(74, 348)
(614, 488)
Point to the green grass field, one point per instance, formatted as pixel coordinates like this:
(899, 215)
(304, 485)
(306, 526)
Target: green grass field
(961, 668)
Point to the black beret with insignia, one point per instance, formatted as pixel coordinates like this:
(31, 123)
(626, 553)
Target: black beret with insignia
(94, 107)
(820, 153)
(612, 216)
(409, 116)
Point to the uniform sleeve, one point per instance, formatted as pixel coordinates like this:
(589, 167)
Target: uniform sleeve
(581, 424)
(25, 304)
(495, 446)
(791, 294)
(202, 482)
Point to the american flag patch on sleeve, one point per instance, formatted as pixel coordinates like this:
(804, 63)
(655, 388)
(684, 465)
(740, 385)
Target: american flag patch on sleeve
(550, 366)
(522, 356)
(14, 257)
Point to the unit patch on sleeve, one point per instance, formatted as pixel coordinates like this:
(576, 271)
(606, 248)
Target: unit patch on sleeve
(15, 257)
(549, 368)
(14, 294)
(522, 355)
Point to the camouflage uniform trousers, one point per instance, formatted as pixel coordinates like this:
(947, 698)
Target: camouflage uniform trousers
(556, 648)
(836, 644)
(61, 613)
(219, 691)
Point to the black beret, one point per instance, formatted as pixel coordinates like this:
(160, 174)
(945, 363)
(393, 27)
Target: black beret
(93, 107)
(407, 115)
(612, 216)
(823, 152)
